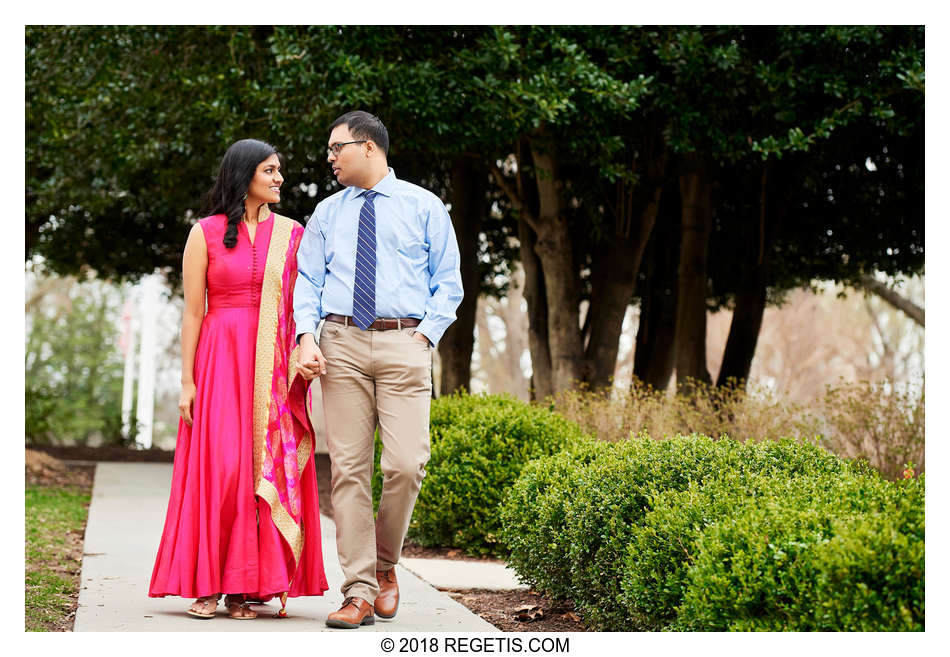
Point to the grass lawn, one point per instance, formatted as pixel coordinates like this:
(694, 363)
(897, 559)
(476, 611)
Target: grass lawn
(55, 522)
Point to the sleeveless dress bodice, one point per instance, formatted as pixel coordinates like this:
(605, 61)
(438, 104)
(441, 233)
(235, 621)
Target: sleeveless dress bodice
(235, 275)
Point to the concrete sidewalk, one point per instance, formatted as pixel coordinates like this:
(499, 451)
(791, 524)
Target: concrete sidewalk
(122, 534)
(457, 575)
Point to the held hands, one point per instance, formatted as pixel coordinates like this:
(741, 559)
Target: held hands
(311, 363)
(186, 401)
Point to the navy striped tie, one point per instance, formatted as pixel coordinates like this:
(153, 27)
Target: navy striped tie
(364, 281)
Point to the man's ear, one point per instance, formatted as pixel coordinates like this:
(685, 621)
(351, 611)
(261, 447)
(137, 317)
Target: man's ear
(370, 147)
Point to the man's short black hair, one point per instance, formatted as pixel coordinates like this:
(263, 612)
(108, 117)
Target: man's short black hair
(363, 125)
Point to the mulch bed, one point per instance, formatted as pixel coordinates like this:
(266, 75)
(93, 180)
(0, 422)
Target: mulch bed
(509, 611)
(521, 611)
(105, 453)
(45, 470)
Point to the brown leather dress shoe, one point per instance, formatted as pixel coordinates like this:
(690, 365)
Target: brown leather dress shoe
(387, 602)
(353, 613)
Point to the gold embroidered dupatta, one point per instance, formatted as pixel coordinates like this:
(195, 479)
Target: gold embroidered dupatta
(283, 434)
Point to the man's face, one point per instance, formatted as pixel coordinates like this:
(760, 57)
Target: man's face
(351, 164)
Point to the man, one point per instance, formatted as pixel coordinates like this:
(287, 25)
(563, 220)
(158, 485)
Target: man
(380, 263)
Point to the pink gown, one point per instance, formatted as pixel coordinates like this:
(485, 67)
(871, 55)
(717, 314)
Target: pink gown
(219, 536)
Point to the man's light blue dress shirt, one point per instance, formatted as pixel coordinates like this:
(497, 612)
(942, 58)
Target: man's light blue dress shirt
(417, 258)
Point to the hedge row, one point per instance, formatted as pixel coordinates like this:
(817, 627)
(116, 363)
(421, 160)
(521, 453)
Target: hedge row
(692, 533)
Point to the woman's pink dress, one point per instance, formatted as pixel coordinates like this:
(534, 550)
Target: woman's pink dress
(212, 542)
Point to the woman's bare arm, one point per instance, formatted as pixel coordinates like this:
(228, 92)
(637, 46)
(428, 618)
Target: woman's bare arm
(194, 269)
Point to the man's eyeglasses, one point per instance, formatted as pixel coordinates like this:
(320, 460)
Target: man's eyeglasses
(337, 147)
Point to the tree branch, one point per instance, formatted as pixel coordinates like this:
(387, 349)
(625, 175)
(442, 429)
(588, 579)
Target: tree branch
(900, 302)
(514, 197)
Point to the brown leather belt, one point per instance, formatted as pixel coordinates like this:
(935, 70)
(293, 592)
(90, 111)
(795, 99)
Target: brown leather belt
(382, 324)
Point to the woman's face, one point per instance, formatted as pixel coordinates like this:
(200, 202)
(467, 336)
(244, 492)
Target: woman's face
(265, 185)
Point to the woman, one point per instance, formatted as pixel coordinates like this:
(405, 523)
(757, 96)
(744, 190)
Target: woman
(243, 516)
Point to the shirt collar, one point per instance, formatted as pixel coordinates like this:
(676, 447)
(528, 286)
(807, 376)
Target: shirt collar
(386, 186)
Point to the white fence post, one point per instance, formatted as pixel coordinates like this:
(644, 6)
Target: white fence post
(128, 344)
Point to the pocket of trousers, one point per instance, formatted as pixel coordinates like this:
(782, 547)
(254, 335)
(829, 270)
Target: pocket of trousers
(412, 333)
(330, 332)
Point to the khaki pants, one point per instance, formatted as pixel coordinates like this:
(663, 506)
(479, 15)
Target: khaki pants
(374, 378)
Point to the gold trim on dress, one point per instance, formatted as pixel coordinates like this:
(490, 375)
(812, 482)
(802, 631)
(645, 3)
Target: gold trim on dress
(271, 289)
(292, 368)
(267, 335)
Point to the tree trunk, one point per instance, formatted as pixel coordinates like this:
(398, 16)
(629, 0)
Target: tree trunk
(613, 279)
(616, 264)
(561, 282)
(653, 359)
(744, 328)
(516, 337)
(750, 297)
(534, 294)
(552, 286)
(696, 224)
(469, 189)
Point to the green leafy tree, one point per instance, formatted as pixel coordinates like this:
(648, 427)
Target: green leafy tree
(840, 172)
(560, 99)
(771, 129)
(74, 370)
(125, 126)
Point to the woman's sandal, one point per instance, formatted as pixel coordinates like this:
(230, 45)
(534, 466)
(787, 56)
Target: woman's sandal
(206, 606)
(238, 609)
(264, 599)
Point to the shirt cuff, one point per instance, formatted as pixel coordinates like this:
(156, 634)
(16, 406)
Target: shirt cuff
(312, 331)
(431, 330)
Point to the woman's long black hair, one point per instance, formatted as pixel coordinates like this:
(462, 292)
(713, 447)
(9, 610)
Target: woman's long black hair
(228, 193)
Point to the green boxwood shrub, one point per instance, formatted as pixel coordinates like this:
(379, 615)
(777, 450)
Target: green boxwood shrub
(614, 526)
(568, 520)
(480, 444)
(534, 515)
(461, 409)
(796, 457)
(662, 545)
(829, 554)
(611, 496)
(870, 576)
